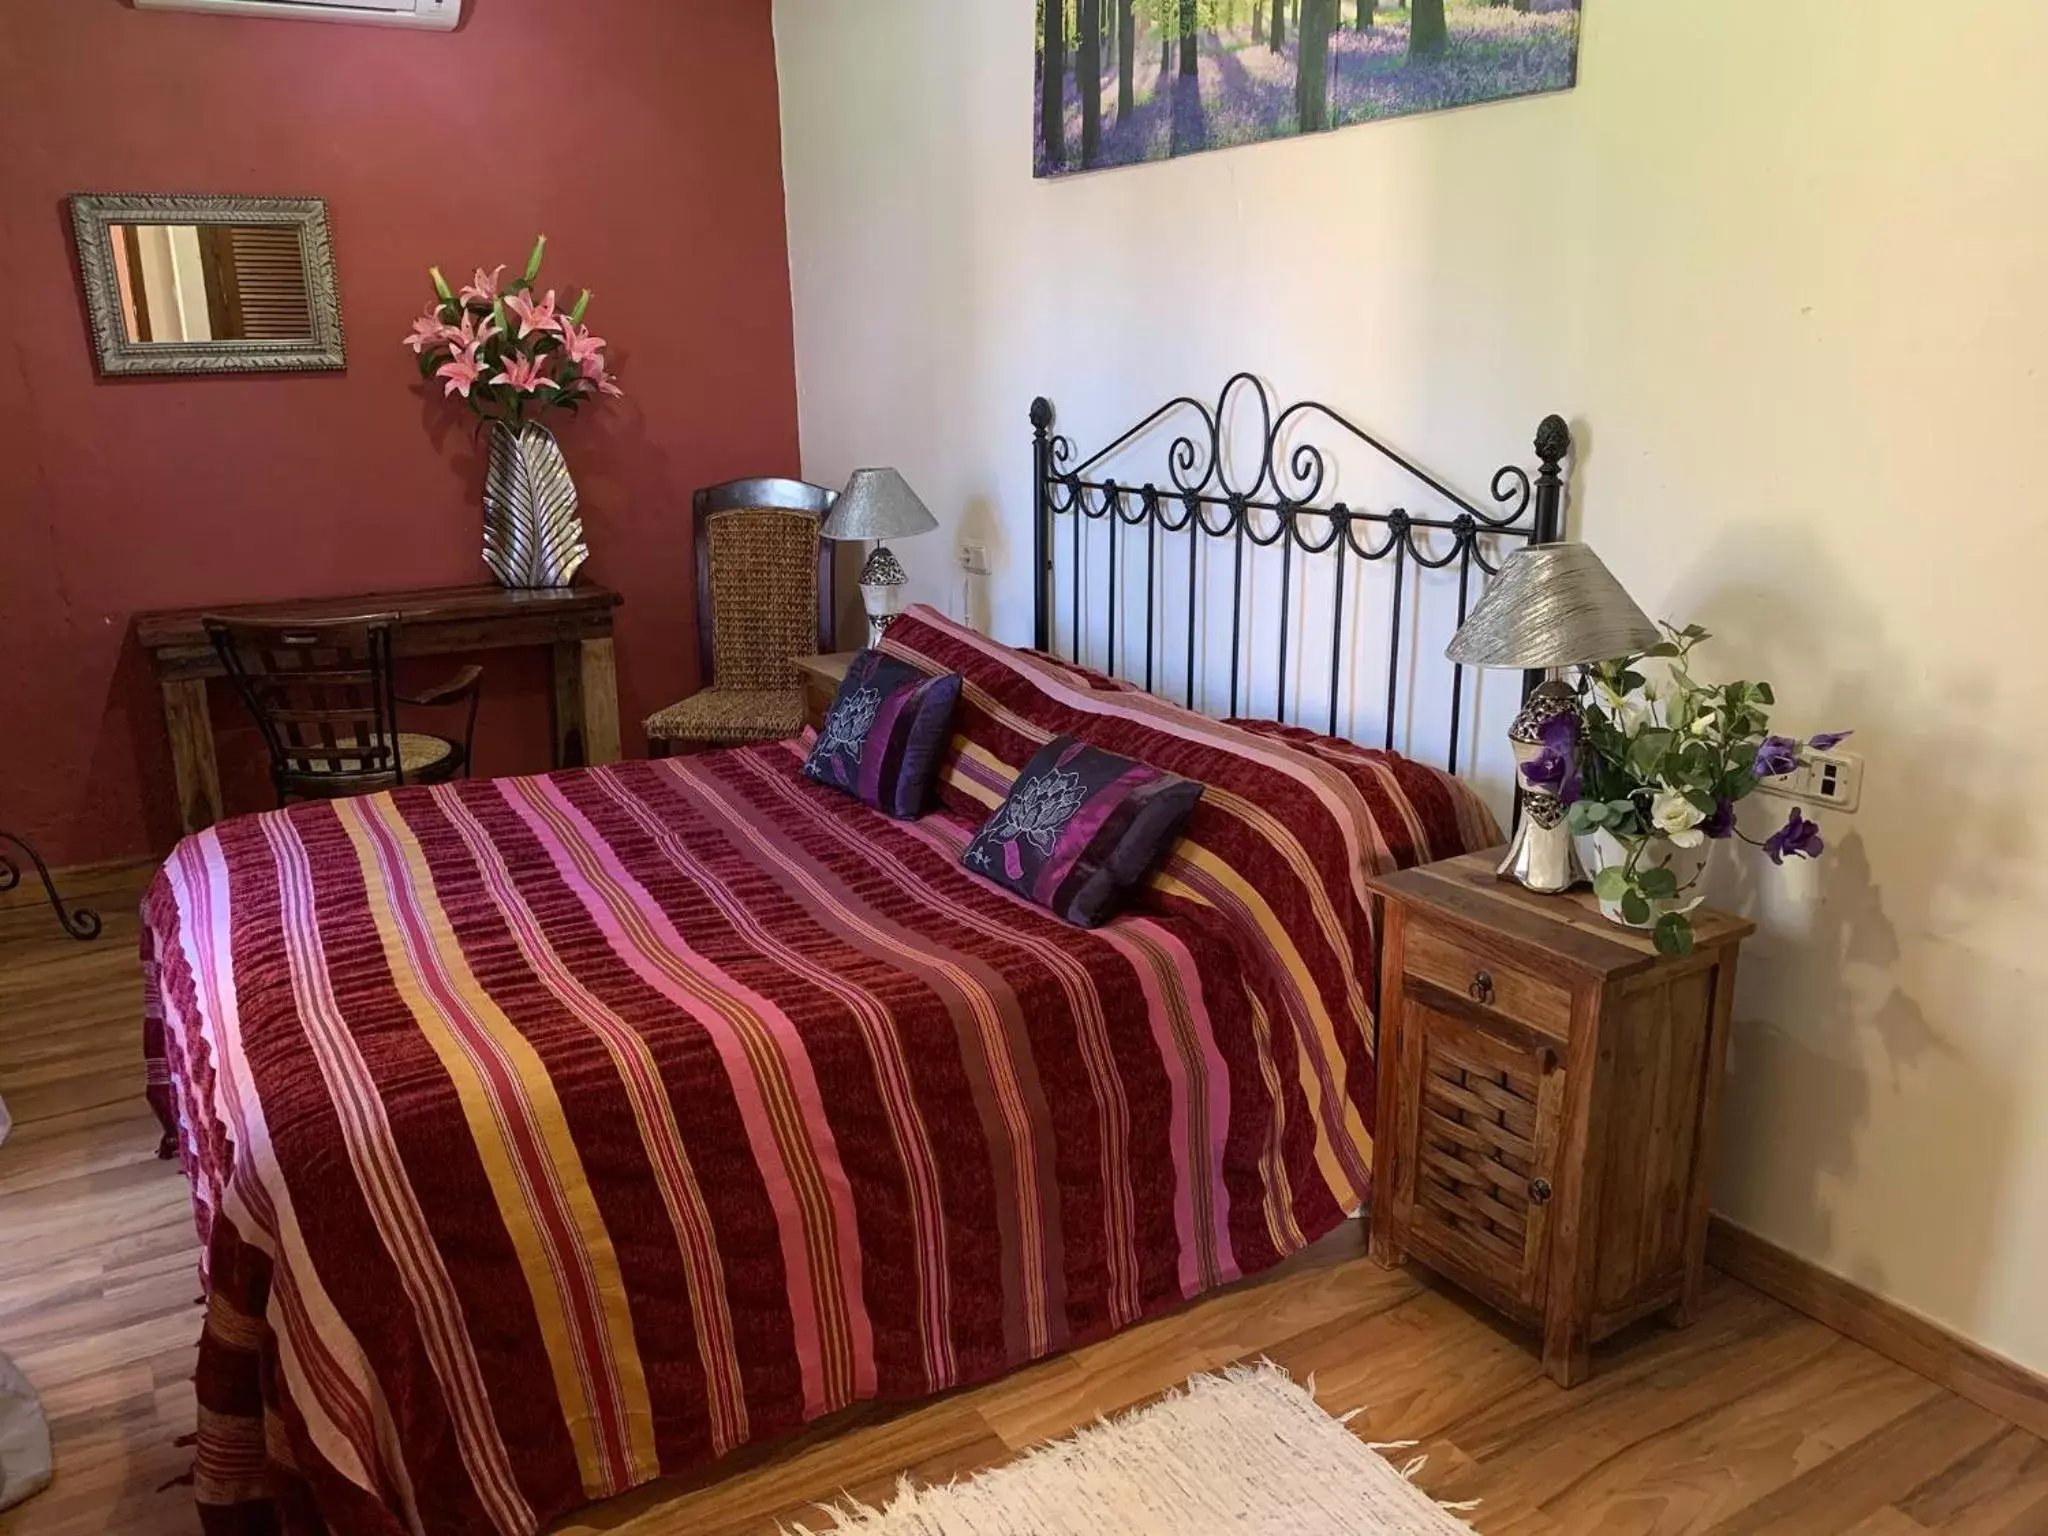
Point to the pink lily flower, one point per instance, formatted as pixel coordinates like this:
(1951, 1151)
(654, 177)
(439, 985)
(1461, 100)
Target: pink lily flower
(595, 376)
(463, 373)
(430, 330)
(534, 317)
(580, 345)
(524, 374)
(471, 335)
(485, 288)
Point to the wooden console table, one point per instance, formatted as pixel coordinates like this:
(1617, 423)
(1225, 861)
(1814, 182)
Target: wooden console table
(576, 622)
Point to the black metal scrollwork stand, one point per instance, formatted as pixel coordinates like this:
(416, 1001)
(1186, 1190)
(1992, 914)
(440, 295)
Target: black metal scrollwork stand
(80, 922)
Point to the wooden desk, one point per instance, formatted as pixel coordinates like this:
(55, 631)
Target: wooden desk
(575, 622)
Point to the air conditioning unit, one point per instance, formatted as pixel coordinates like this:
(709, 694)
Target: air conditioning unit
(427, 15)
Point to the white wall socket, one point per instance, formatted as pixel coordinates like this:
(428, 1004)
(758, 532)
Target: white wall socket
(974, 558)
(1832, 779)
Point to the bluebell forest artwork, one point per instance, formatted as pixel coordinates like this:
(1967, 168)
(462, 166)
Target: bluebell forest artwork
(1124, 81)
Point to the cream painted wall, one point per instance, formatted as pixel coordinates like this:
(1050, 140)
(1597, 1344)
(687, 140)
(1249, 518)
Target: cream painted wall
(1782, 265)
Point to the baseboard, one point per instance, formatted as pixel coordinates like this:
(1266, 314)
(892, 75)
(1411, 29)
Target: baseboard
(1969, 1370)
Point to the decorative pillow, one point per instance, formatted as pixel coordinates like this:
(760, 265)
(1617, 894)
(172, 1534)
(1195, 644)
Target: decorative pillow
(882, 736)
(1080, 828)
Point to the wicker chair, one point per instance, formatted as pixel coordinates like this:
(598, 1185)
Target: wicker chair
(321, 693)
(764, 596)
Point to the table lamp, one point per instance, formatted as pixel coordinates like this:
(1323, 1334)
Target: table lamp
(879, 504)
(1551, 606)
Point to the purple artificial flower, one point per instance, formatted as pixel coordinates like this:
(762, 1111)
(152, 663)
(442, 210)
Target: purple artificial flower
(1556, 767)
(1827, 741)
(1776, 757)
(1798, 838)
(1722, 822)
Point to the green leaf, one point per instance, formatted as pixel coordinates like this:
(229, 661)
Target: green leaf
(1663, 648)
(1634, 908)
(1674, 934)
(1580, 816)
(1700, 800)
(1648, 750)
(1597, 813)
(1657, 883)
(1763, 692)
(1611, 884)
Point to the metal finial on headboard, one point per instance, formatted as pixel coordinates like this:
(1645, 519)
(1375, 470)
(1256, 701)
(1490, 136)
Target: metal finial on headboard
(1553, 442)
(1041, 528)
(1207, 498)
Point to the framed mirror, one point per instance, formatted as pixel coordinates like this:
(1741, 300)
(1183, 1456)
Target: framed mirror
(208, 284)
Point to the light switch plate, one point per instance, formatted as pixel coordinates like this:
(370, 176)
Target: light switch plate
(1831, 779)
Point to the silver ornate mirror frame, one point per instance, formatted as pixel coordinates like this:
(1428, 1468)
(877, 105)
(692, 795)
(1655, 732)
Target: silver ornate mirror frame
(94, 214)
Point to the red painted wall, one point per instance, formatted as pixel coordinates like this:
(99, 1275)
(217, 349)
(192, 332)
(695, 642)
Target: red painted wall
(641, 135)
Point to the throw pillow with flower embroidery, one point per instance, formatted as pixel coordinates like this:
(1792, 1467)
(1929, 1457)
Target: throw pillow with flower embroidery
(881, 738)
(1080, 828)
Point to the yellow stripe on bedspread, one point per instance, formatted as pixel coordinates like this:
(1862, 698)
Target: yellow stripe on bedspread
(536, 1174)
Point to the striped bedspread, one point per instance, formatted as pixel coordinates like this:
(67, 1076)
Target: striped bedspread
(551, 1135)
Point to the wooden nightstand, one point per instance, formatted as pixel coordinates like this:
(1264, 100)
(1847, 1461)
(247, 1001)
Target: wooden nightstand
(1547, 1087)
(822, 676)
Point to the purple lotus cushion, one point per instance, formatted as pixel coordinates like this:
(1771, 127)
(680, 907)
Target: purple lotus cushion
(1080, 828)
(882, 736)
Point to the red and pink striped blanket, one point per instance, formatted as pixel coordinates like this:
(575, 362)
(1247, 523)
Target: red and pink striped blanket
(552, 1135)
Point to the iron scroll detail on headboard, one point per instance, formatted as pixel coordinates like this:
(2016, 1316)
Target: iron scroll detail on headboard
(1205, 498)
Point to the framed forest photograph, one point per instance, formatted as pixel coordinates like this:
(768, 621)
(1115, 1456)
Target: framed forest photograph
(1124, 81)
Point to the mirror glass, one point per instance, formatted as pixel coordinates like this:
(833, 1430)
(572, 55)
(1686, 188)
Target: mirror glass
(185, 283)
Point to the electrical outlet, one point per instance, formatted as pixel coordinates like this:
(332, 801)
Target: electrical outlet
(1832, 779)
(974, 558)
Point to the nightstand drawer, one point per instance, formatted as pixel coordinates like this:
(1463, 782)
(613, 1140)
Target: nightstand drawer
(1515, 994)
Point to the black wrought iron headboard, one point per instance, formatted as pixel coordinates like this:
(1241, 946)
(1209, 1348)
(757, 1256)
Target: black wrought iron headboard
(1286, 491)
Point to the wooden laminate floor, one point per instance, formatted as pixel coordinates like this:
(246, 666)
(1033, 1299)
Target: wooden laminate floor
(1755, 1420)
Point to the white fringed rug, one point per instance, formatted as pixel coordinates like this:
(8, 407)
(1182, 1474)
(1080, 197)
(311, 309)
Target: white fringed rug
(1246, 1453)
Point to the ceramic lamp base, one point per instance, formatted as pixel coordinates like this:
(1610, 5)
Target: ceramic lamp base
(884, 585)
(883, 603)
(1543, 858)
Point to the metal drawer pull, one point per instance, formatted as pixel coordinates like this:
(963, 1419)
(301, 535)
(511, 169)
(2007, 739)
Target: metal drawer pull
(1539, 1191)
(1481, 989)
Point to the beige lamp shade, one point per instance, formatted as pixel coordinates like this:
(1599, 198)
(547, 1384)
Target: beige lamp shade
(877, 504)
(1552, 605)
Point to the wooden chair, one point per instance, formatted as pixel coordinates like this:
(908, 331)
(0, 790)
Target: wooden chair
(321, 692)
(764, 597)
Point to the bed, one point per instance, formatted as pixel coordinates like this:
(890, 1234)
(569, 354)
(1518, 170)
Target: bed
(551, 1135)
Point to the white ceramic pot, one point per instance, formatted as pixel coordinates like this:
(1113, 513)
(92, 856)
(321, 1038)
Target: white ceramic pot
(1604, 849)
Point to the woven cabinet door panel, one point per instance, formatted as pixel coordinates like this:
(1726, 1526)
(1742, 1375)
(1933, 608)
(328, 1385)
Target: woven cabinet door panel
(1476, 1187)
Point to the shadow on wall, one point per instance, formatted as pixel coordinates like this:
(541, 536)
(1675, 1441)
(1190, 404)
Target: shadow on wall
(979, 524)
(1834, 1006)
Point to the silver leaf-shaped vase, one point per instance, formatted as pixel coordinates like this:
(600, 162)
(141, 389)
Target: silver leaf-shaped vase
(533, 529)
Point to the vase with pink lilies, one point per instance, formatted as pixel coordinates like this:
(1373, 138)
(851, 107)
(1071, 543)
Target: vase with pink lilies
(513, 355)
